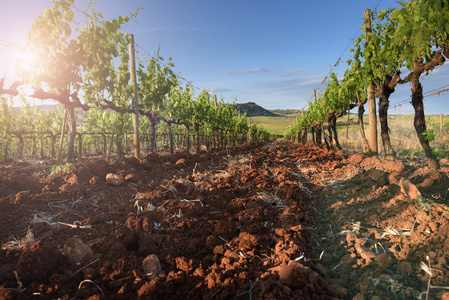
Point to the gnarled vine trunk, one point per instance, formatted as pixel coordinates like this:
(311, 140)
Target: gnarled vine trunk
(383, 93)
(152, 132)
(333, 128)
(71, 125)
(419, 122)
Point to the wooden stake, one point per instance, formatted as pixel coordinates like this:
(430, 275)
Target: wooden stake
(371, 96)
(347, 127)
(135, 105)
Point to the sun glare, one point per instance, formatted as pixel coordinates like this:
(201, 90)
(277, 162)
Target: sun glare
(25, 60)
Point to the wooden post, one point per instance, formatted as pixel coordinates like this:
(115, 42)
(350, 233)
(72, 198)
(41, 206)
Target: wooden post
(135, 105)
(80, 142)
(317, 128)
(111, 143)
(347, 127)
(371, 96)
(215, 101)
(441, 122)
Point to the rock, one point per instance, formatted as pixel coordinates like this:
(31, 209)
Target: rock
(393, 166)
(181, 161)
(131, 178)
(422, 217)
(70, 187)
(385, 277)
(356, 159)
(40, 261)
(433, 226)
(365, 253)
(409, 189)
(338, 291)
(313, 277)
(367, 286)
(359, 296)
(141, 196)
(321, 269)
(432, 255)
(115, 179)
(95, 180)
(77, 251)
(405, 267)
(152, 266)
(347, 259)
(445, 296)
(394, 178)
(442, 260)
(253, 204)
(72, 179)
(384, 260)
(291, 276)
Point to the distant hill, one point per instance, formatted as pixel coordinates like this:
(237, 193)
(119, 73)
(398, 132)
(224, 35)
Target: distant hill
(253, 110)
(286, 112)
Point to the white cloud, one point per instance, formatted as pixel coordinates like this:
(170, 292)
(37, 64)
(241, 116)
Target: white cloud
(256, 70)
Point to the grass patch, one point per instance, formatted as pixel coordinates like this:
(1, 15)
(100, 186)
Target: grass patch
(275, 125)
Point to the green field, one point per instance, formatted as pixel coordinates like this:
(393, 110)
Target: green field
(275, 125)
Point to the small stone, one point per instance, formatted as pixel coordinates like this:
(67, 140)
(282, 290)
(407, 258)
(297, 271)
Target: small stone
(384, 260)
(356, 159)
(72, 179)
(115, 179)
(337, 290)
(365, 253)
(409, 189)
(405, 267)
(432, 255)
(95, 180)
(367, 286)
(131, 178)
(442, 260)
(77, 251)
(70, 187)
(385, 277)
(445, 296)
(313, 277)
(393, 178)
(347, 259)
(321, 269)
(433, 226)
(152, 266)
(359, 296)
(181, 161)
(291, 276)
(253, 204)
(140, 196)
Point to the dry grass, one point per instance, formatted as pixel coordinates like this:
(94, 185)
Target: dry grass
(403, 135)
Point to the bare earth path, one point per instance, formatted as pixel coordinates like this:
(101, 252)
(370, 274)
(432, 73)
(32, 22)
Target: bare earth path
(274, 221)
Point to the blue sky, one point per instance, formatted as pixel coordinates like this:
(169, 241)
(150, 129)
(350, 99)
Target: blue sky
(273, 53)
